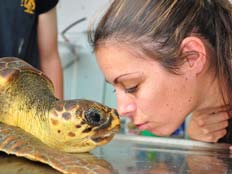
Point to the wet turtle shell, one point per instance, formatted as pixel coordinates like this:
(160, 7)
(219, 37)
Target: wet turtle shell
(38, 126)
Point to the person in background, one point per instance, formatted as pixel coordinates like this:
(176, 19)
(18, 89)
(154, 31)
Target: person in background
(28, 30)
(167, 60)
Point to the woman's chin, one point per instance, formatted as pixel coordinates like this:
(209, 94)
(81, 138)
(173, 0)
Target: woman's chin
(161, 133)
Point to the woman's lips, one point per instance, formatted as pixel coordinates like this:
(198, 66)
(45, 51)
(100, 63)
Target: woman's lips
(143, 126)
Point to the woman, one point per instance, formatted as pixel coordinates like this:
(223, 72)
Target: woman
(168, 59)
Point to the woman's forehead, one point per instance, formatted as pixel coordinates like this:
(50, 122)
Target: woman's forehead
(120, 64)
(121, 51)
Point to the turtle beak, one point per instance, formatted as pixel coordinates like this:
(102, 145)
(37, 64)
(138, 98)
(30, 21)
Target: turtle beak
(105, 138)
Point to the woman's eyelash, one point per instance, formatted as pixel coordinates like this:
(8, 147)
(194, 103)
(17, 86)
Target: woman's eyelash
(132, 89)
(128, 90)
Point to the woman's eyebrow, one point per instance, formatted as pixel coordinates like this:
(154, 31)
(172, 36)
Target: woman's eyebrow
(114, 82)
(117, 79)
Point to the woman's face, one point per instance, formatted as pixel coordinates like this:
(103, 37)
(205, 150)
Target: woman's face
(153, 98)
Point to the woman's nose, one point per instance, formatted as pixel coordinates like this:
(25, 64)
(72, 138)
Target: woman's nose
(125, 106)
(126, 110)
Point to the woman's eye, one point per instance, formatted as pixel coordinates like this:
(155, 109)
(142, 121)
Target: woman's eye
(132, 89)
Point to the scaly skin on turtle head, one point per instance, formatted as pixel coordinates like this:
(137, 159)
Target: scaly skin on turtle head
(81, 125)
(28, 101)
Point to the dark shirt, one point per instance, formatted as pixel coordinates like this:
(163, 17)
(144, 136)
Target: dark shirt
(228, 137)
(18, 28)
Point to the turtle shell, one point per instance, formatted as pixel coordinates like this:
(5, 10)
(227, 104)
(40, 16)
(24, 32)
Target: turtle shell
(11, 67)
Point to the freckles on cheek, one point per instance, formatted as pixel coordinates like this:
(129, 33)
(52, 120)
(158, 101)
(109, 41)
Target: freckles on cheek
(174, 101)
(168, 107)
(190, 100)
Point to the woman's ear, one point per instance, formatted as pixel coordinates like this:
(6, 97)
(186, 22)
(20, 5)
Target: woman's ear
(194, 51)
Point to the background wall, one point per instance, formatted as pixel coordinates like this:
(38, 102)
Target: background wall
(72, 10)
(82, 76)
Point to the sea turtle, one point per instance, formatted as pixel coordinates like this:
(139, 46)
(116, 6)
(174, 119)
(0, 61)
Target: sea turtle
(36, 125)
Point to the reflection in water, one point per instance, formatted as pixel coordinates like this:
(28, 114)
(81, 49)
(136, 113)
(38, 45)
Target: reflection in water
(143, 157)
(167, 161)
(156, 162)
(208, 164)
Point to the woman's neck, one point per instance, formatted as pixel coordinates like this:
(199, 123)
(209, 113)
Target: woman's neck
(212, 96)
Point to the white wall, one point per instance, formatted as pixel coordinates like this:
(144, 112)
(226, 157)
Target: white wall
(71, 10)
(83, 78)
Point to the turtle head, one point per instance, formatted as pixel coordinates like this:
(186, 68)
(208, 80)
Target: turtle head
(81, 125)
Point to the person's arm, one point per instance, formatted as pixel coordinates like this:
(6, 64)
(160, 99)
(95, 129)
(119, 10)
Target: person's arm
(208, 125)
(48, 50)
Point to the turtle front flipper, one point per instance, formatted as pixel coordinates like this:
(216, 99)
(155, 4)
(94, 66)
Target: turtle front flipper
(16, 141)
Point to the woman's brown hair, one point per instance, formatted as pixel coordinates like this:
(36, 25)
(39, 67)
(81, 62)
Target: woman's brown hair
(158, 27)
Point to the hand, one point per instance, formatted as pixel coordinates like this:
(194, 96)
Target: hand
(208, 125)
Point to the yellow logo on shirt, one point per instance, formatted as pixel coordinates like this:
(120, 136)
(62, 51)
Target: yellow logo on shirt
(29, 6)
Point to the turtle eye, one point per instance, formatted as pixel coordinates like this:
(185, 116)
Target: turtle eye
(93, 117)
